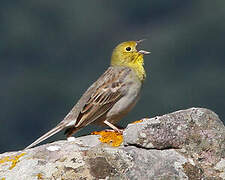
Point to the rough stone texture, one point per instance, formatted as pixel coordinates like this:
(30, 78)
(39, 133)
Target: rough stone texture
(187, 144)
(196, 133)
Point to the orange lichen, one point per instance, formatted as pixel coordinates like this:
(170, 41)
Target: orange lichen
(137, 121)
(110, 137)
(39, 176)
(14, 159)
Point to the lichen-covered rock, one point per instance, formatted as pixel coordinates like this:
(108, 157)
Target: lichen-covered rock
(197, 133)
(187, 144)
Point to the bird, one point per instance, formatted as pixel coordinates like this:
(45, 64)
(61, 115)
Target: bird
(109, 98)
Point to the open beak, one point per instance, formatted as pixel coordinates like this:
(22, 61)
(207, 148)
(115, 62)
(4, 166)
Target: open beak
(142, 51)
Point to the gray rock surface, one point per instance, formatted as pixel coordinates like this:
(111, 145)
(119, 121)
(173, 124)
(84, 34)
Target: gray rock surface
(187, 144)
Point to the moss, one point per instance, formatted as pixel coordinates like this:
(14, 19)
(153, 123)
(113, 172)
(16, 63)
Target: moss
(14, 159)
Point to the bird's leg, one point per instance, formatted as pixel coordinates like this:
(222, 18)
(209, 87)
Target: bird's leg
(113, 127)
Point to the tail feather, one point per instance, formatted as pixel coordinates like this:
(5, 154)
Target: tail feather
(71, 130)
(47, 135)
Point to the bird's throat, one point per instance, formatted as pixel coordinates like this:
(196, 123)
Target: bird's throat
(139, 70)
(136, 63)
(138, 66)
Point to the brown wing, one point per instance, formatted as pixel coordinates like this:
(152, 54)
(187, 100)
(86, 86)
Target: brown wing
(108, 92)
(94, 103)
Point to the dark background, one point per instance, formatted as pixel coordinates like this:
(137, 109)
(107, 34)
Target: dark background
(51, 51)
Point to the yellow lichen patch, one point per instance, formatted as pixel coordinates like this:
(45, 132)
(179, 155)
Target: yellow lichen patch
(40, 176)
(14, 159)
(137, 121)
(110, 137)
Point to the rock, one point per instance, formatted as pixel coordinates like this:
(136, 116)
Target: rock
(187, 144)
(196, 133)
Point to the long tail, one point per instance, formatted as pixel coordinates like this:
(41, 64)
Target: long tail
(50, 133)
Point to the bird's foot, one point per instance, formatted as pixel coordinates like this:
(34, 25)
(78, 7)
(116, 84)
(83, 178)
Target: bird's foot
(117, 130)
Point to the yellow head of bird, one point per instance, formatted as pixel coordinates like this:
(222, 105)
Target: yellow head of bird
(126, 54)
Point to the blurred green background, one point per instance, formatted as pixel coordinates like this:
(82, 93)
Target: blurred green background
(51, 51)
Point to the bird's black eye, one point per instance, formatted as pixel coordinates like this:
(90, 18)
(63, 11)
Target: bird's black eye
(128, 48)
